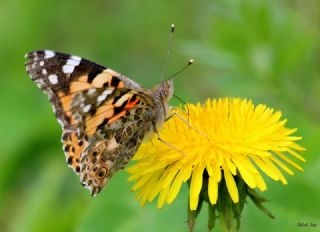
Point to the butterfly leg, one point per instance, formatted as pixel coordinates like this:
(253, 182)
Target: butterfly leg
(187, 123)
(165, 142)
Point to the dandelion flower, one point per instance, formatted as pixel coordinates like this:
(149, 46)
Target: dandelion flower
(224, 139)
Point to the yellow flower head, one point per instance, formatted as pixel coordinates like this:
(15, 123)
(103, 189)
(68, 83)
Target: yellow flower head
(224, 138)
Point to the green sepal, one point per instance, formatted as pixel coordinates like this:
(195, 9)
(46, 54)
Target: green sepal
(193, 214)
(258, 200)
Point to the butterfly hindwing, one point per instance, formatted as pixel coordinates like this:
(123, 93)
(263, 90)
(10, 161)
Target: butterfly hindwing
(114, 139)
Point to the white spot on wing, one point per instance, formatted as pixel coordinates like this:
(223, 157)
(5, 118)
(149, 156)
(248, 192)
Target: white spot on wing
(68, 68)
(101, 98)
(107, 91)
(91, 91)
(53, 78)
(73, 62)
(86, 108)
(41, 63)
(44, 71)
(104, 95)
(48, 54)
(77, 58)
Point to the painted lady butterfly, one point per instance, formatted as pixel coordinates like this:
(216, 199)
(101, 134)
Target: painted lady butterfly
(104, 115)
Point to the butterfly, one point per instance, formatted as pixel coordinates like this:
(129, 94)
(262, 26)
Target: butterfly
(104, 115)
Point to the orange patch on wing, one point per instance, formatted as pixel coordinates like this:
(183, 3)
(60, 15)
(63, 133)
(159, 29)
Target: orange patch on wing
(111, 72)
(75, 143)
(101, 79)
(122, 99)
(104, 111)
(121, 85)
(83, 78)
(117, 116)
(74, 151)
(66, 101)
(94, 122)
(79, 86)
(132, 104)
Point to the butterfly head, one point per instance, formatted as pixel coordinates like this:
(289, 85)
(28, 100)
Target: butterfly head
(165, 89)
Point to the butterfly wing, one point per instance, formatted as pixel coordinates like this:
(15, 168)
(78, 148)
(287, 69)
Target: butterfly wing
(95, 107)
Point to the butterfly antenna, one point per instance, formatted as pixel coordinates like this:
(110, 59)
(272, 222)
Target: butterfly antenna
(190, 62)
(172, 29)
(183, 102)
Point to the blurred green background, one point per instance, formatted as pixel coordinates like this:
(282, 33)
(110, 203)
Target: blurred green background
(268, 51)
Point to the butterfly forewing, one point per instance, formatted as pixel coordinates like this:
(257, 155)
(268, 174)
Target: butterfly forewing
(104, 115)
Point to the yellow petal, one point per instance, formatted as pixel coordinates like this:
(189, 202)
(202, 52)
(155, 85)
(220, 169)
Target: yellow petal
(295, 154)
(162, 197)
(260, 182)
(213, 190)
(231, 185)
(174, 190)
(245, 173)
(282, 156)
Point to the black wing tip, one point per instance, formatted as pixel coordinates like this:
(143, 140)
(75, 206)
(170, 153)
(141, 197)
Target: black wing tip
(35, 52)
(29, 55)
(41, 53)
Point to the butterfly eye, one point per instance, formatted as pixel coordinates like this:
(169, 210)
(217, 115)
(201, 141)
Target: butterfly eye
(102, 172)
(164, 93)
